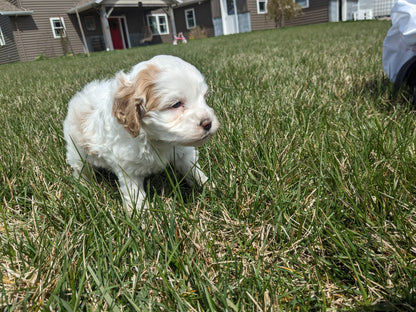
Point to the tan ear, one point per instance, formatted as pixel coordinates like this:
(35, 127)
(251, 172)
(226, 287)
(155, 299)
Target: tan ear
(133, 100)
(128, 108)
(134, 112)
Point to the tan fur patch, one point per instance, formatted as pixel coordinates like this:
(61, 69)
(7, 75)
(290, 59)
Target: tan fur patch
(133, 100)
(145, 86)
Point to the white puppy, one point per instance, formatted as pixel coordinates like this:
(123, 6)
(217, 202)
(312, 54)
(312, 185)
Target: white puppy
(138, 122)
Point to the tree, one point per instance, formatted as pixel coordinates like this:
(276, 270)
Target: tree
(282, 10)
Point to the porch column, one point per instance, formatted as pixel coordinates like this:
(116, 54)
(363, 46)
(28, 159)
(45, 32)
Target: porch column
(106, 29)
(172, 22)
(86, 50)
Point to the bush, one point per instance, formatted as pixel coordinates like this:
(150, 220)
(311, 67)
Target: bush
(198, 33)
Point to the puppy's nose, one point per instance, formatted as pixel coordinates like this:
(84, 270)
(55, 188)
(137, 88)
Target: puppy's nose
(206, 124)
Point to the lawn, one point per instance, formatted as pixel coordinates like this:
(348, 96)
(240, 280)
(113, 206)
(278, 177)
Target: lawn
(315, 201)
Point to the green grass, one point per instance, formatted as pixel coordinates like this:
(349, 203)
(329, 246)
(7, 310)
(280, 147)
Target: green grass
(315, 168)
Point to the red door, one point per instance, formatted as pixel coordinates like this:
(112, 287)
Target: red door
(115, 31)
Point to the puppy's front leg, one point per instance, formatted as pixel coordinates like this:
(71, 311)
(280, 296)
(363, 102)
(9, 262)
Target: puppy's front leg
(132, 192)
(186, 161)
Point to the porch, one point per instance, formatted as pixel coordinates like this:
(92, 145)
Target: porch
(113, 24)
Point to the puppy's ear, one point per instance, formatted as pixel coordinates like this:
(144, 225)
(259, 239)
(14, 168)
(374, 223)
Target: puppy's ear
(128, 108)
(134, 99)
(134, 112)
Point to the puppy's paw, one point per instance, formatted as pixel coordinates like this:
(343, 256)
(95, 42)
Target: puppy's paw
(139, 207)
(200, 178)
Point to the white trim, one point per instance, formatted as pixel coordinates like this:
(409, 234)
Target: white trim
(61, 19)
(2, 40)
(229, 21)
(193, 16)
(304, 6)
(158, 32)
(344, 10)
(265, 7)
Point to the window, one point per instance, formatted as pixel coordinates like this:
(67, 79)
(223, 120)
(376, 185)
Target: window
(261, 6)
(158, 24)
(2, 41)
(90, 23)
(58, 27)
(190, 18)
(303, 3)
(230, 7)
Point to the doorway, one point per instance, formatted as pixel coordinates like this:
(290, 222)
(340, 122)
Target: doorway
(229, 17)
(119, 33)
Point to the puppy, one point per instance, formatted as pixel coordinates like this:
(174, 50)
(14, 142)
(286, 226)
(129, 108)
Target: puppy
(137, 123)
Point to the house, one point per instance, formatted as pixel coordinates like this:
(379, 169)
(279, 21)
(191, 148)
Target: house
(236, 16)
(29, 28)
(345, 10)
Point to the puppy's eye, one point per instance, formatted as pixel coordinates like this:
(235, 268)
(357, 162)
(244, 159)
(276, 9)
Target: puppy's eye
(177, 105)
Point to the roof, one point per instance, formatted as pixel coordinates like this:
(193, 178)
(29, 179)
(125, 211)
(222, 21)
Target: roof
(6, 8)
(84, 5)
(180, 3)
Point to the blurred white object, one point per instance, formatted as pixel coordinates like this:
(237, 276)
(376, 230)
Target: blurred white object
(399, 48)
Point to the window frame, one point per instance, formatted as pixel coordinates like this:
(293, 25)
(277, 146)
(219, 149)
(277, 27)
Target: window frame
(265, 7)
(303, 7)
(193, 17)
(156, 16)
(61, 20)
(89, 22)
(2, 40)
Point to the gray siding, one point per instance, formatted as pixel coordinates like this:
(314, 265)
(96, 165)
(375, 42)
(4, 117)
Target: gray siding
(316, 13)
(93, 36)
(202, 16)
(244, 22)
(218, 30)
(159, 38)
(258, 21)
(8, 52)
(33, 34)
(215, 9)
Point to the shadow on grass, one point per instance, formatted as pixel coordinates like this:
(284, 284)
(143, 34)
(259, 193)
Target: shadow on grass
(395, 304)
(386, 94)
(163, 184)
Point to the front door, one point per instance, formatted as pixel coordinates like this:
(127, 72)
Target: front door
(116, 31)
(229, 16)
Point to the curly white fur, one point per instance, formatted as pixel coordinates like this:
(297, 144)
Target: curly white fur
(137, 123)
